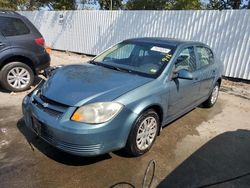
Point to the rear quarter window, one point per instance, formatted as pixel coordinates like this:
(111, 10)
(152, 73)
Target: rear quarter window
(12, 27)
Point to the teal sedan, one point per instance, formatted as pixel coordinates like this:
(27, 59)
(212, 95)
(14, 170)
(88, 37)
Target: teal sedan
(123, 97)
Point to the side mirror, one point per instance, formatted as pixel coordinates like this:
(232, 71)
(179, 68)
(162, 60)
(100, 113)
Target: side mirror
(183, 74)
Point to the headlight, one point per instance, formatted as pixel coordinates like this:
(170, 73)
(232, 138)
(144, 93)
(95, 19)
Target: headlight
(97, 112)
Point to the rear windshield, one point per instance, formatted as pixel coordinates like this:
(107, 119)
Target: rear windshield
(12, 27)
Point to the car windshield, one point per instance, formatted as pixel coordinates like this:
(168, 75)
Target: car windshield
(142, 58)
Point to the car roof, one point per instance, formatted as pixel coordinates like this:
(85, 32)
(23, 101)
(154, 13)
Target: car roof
(165, 41)
(9, 13)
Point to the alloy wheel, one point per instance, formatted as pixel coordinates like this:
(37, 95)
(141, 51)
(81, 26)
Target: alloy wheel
(18, 77)
(146, 133)
(215, 94)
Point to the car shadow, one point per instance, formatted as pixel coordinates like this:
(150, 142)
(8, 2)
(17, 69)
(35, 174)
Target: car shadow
(3, 90)
(222, 162)
(54, 153)
(37, 80)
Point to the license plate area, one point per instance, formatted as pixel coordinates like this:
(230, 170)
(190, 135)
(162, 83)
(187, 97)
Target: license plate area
(37, 126)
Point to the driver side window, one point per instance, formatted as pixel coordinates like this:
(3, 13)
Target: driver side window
(186, 60)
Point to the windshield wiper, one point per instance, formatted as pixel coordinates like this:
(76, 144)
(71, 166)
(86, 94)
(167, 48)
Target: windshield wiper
(118, 68)
(121, 69)
(93, 62)
(111, 67)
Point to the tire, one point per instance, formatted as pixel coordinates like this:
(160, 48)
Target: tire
(137, 136)
(213, 97)
(16, 77)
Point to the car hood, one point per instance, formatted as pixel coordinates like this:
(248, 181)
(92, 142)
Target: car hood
(75, 85)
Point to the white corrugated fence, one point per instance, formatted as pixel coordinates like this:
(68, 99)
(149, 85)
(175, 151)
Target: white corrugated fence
(90, 32)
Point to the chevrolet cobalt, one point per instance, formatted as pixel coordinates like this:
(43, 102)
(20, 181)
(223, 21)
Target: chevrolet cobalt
(124, 96)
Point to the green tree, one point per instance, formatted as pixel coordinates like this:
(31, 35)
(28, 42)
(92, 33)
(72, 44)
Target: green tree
(106, 4)
(36, 4)
(59, 4)
(184, 5)
(234, 4)
(12, 4)
(214, 4)
(146, 4)
(226, 4)
(4, 4)
(163, 5)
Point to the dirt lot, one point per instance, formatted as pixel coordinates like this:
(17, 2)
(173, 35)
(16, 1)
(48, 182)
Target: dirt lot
(206, 146)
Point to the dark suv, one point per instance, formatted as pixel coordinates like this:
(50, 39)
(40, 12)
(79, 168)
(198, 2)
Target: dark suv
(22, 52)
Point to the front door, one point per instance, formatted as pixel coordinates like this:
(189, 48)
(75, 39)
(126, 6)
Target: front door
(183, 93)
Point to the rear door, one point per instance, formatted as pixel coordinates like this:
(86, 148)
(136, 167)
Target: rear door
(183, 93)
(207, 70)
(4, 46)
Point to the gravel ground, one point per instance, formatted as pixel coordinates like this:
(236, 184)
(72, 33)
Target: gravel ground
(203, 147)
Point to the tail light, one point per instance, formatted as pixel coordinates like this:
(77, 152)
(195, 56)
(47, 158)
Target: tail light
(40, 41)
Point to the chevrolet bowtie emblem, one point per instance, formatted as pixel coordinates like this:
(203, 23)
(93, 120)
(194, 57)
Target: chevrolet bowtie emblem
(45, 105)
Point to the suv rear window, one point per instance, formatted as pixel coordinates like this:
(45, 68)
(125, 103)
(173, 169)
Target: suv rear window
(13, 26)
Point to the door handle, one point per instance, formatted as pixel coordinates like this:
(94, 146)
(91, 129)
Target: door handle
(2, 44)
(213, 72)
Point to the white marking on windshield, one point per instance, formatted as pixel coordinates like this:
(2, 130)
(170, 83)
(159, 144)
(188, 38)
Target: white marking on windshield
(160, 49)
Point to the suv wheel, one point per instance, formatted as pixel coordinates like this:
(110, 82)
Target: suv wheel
(16, 76)
(143, 134)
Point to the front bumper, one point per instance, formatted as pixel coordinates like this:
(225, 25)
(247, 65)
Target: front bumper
(79, 138)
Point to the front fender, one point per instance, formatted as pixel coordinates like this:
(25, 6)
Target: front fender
(154, 93)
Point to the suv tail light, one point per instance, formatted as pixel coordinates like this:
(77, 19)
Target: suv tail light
(40, 41)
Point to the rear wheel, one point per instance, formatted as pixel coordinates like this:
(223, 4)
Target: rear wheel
(16, 76)
(213, 97)
(143, 134)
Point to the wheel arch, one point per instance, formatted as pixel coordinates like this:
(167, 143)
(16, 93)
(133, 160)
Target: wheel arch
(157, 108)
(219, 80)
(19, 58)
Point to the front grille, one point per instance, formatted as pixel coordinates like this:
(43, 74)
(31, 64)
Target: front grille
(46, 109)
(49, 106)
(49, 101)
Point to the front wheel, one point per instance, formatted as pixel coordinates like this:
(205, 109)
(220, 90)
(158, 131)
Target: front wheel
(213, 97)
(143, 134)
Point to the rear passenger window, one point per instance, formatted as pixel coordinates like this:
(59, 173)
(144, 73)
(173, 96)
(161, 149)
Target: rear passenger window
(205, 56)
(13, 26)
